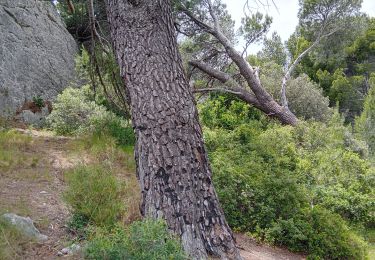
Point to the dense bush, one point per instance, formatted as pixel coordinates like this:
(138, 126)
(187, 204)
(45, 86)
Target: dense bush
(348, 93)
(75, 112)
(321, 233)
(101, 204)
(224, 111)
(94, 195)
(143, 240)
(71, 111)
(293, 186)
(365, 124)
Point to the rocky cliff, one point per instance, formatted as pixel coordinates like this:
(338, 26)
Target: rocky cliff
(36, 53)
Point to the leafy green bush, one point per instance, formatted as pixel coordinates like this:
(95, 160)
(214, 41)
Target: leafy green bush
(75, 112)
(144, 240)
(72, 111)
(94, 194)
(264, 191)
(348, 93)
(293, 186)
(256, 182)
(319, 232)
(78, 225)
(226, 112)
(123, 133)
(38, 101)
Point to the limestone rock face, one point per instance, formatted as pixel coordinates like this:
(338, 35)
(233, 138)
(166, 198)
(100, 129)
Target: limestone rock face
(36, 53)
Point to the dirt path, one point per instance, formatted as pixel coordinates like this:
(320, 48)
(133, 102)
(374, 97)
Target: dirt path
(36, 191)
(251, 250)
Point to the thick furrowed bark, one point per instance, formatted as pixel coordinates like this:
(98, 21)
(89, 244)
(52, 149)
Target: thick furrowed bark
(172, 164)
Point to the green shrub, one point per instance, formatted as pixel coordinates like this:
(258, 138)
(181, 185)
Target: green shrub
(269, 177)
(257, 182)
(144, 240)
(75, 112)
(226, 112)
(72, 111)
(122, 132)
(94, 194)
(331, 238)
(78, 225)
(38, 101)
(262, 191)
(321, 233)
(348, 93)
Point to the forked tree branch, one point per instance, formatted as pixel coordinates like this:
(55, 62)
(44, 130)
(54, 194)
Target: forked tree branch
(260, 98)
(292, 67)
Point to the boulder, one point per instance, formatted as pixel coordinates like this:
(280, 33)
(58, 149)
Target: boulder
(36, 119)
(70, 250)
(36, 53)
(33, 114)
(25, 226)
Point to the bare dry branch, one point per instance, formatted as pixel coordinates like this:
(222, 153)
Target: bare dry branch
(292, 67)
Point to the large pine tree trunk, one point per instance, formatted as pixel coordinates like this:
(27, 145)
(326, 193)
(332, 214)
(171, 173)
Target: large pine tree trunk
(172, 164)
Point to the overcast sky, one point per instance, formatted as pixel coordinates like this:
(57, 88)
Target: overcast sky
(284, 17)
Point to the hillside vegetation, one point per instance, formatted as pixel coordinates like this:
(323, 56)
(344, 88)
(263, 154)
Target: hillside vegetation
(281, 142)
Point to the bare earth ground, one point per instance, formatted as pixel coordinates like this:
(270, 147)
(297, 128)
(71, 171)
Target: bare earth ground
(35, 190)
(251, 250)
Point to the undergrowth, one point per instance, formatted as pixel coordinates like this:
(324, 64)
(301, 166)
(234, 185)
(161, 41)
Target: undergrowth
(12, 145)
(105, 207)
(307, 187)
(94, 193)
(142, 240)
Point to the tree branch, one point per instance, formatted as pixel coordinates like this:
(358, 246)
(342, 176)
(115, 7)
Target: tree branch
(260, 98)
(242, 94)
(245, 69)
(213, 15)
(70, 6)
(197, 21)
(283, 98)
(232, 86)
(217, 74)
(226, 90)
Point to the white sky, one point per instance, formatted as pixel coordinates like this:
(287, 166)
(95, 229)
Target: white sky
(284, 17)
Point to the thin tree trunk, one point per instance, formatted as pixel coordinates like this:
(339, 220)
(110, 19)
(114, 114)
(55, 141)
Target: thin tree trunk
(172, 164)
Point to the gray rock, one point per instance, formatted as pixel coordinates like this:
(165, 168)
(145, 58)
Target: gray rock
(36, 53)
(36, 119)
(74, 248)
(25, 226)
